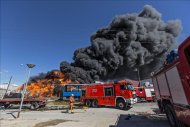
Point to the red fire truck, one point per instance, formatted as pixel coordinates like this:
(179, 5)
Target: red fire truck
(145, 93)
(119, 94)
(172, 87)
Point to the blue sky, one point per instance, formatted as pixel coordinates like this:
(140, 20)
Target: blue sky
(46, 32)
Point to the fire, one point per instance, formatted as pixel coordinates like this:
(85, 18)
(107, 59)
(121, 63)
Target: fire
(19, 88)
(40, 88)
(45, 87)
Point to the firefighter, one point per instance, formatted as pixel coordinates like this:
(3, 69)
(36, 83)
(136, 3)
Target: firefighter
(71, 102)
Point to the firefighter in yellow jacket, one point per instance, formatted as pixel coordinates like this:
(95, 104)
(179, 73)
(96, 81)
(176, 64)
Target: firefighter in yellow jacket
(71, 102)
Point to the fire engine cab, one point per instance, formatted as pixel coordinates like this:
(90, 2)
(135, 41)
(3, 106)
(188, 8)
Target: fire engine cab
(172, 86)
(118, 94)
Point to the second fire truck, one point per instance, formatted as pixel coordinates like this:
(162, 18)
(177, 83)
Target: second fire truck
(118, 94)
(145, 92)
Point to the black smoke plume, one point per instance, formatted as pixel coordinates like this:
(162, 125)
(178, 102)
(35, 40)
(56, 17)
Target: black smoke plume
(40, 76)
(53, 74)
(130, 42)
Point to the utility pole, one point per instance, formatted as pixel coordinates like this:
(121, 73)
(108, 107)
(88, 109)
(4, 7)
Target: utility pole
(7, 87)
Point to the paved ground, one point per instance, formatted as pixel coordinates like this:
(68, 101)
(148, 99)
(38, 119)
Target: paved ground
(142, 115)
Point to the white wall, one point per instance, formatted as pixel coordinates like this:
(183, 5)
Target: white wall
(12, 87)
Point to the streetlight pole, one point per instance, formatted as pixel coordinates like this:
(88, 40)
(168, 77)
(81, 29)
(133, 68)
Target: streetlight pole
(137, 69)
(30, 66)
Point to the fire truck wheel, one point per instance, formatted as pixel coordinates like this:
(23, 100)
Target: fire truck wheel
(138, 99)
(95, 103)
(121, 104)
(171, 115)
(88, 103)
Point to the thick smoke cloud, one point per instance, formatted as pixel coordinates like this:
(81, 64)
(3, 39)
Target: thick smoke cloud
(130, 42)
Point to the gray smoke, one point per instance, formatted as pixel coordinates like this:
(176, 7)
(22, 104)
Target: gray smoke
(130, 42)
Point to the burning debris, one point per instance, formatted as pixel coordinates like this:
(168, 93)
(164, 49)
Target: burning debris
(130, 42)
(46, 85)
(41, 88)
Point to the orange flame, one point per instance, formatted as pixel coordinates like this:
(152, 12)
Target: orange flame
(19, 88)
(45, 87)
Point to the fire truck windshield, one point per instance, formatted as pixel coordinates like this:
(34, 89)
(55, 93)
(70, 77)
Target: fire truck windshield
(130, 87)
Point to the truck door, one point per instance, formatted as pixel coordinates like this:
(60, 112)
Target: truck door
(148, 94)
(141, 92)
(109, 98)
(184, 68)
(187, 71)
(187, 55)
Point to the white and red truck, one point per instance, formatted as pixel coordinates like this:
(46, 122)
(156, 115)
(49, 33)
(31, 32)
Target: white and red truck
(172, 87)
(118, 94)
(145, 93)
